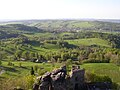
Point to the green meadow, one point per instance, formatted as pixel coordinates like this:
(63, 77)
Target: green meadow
(108, 69)
(89, 42)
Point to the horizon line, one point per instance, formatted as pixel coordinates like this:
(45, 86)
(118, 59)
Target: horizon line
(7, 20)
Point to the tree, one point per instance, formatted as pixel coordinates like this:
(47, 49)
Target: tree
(115, 59)
(2, 55)
(59, 60)
(64, 56)
(0, 62)
(18, 54)
(92, 56)
(37, 55)
(32, 71)
(20, 64)
(32, 55)
(68, 63)
(25, 55)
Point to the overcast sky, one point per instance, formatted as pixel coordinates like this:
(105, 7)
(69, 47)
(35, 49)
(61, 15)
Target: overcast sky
(59, 9)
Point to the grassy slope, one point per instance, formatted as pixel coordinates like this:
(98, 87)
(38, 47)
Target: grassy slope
(109, 69)
(16, 71)
(46, 48)
(89, 41)
(43, 35)
(42, 49)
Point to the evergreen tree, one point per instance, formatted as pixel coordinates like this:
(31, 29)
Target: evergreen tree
(32, 71)
(0, 62)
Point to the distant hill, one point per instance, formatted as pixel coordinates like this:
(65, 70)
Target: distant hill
(68, 25)
(110, 20)
(20, 27)
(14, 30)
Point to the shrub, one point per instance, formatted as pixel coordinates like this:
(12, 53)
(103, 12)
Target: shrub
(68, 63)
(115, 86)
(91, 77)
(10, 63)
(20, 64)
(21, 83)
(36, 68)
(41, 72)
(29, 81)
(77, 63)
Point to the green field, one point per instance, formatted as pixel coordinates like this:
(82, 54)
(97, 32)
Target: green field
(89, 42)
(40, 35)
(17, 71)
(108, 69)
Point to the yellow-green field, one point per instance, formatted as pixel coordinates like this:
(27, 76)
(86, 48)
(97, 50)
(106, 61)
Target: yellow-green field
(89, 42)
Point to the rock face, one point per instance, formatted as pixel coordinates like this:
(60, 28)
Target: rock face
(77, 78)
(59, 80)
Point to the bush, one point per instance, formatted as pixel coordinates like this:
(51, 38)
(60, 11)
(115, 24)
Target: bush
(41, 72)
(115, 86)
(91, 77)
(29, 81)
(24, 83)
(68, 63)
(77, 63)
(10, 63)
(36, 68)
(117, 62)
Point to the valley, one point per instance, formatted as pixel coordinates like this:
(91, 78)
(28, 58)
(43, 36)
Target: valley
(45, 45)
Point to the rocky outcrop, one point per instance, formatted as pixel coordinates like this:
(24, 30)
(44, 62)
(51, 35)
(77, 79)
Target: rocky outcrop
(59, 80)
